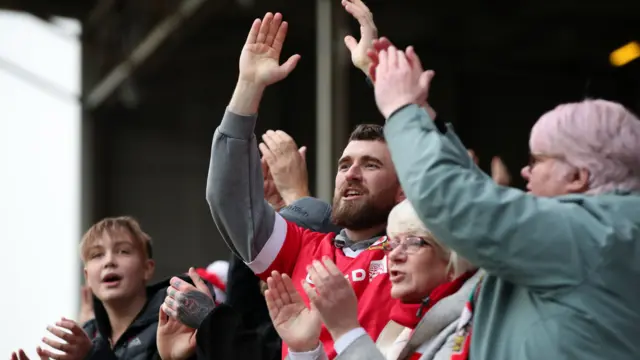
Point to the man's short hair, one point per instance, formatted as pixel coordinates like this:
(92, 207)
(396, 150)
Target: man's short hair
(116, 225)
(368, 132)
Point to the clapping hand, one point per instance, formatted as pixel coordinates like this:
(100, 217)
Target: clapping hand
(401, 80)
(187, 303)
(175, 340)
(286, 165)
(21, 355)
(298, 326)
(333, 297)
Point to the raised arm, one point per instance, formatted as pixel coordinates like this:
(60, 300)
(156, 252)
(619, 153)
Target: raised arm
(235, 184)
(522, 238)
(531, 241)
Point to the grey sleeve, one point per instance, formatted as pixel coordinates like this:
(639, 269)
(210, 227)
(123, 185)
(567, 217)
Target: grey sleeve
(235, 190)
(363, 348)
(310, 213)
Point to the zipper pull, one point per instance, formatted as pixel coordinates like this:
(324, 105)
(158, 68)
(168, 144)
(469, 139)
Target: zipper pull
(423, 305)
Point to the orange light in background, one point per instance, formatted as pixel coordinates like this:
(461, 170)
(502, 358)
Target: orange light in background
(625, 54)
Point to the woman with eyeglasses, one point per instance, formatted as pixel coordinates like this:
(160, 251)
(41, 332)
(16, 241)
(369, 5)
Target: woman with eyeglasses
(432, 282)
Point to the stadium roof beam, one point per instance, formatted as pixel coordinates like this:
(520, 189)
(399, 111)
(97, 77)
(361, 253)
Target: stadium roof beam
(169, 27)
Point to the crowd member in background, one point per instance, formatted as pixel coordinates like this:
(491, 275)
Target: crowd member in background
(422, 272)
(117, 258)
(499, 172)
(366, 190)
(561, 259)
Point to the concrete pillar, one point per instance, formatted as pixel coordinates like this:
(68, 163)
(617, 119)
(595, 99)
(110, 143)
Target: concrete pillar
(332, 93)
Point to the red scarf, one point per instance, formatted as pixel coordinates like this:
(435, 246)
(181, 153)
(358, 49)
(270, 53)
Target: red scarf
(409, 315)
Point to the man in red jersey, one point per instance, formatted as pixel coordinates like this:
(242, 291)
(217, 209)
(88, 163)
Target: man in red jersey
(366, 189)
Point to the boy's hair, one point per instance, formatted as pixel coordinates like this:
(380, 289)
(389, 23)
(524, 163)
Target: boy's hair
(116, 225)
(367, 132)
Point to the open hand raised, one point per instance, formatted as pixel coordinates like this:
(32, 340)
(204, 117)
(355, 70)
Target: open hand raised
(260, 58)
(368, 33)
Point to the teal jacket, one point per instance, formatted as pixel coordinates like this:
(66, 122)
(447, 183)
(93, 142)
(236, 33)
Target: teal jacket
(563, 273)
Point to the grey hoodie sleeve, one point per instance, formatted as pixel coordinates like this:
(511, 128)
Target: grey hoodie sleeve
(235, 190)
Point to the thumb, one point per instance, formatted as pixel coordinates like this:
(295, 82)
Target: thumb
(303, 153)
(312, 295)
(40, 353)
(288, 66)
(198, 282)
(265, 167)
(413, 58)
(425, 79)
(350, 42)
(162, 317)
(372, 72)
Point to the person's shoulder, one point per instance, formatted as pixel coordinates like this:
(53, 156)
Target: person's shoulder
(310, 213)
(612, 207)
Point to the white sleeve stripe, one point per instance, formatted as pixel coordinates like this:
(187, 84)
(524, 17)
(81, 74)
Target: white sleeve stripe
(271, 248)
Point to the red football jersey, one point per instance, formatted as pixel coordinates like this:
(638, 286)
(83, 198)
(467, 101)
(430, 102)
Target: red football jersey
(291, 248)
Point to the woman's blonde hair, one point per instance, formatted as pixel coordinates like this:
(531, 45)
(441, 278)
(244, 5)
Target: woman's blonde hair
(403, 220)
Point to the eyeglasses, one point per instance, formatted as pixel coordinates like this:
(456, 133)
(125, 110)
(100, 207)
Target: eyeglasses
(535, 159)
(408, 245)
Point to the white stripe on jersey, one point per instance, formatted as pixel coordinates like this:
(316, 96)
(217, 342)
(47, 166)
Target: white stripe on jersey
(271, 248)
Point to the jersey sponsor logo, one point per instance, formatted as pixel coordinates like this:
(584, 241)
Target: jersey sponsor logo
(356, 275)
(377, 267)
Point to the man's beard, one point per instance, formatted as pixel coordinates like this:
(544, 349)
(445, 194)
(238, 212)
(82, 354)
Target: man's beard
(364, 213)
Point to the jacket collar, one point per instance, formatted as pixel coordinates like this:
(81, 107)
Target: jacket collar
(342, 241)
(441, 315)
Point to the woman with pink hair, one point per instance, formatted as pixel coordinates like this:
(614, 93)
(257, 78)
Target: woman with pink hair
(563, 259)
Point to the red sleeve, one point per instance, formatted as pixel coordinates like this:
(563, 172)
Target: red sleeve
(281, 250)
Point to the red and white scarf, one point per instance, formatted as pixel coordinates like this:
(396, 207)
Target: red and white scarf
(462, 338)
